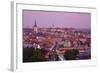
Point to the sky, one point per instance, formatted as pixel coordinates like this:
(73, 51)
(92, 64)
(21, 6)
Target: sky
(46, 19)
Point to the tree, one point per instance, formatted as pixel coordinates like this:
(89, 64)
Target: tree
(71, 54)
(38, 56)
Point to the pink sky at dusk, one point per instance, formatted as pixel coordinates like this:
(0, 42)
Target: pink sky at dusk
(47, 19)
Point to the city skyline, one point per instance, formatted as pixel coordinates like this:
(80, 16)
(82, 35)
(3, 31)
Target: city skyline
(49, 19)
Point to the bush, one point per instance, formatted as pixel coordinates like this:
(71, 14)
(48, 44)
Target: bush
(38, 56)
(27, 54)
(33, 55)
(71, 54)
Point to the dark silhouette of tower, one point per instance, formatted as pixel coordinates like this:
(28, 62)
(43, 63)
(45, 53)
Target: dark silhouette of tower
(35, 29)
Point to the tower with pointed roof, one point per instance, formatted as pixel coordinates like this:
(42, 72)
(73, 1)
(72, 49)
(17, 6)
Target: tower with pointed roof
(35, 29)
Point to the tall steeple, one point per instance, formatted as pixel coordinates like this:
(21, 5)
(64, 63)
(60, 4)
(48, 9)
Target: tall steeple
(35, 27)
(35, 24)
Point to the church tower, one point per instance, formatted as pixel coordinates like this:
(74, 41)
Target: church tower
(35, 29)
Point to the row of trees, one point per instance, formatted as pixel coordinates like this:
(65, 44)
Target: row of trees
(38, 55)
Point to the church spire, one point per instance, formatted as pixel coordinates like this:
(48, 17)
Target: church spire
(35, 29)
(35, 24)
